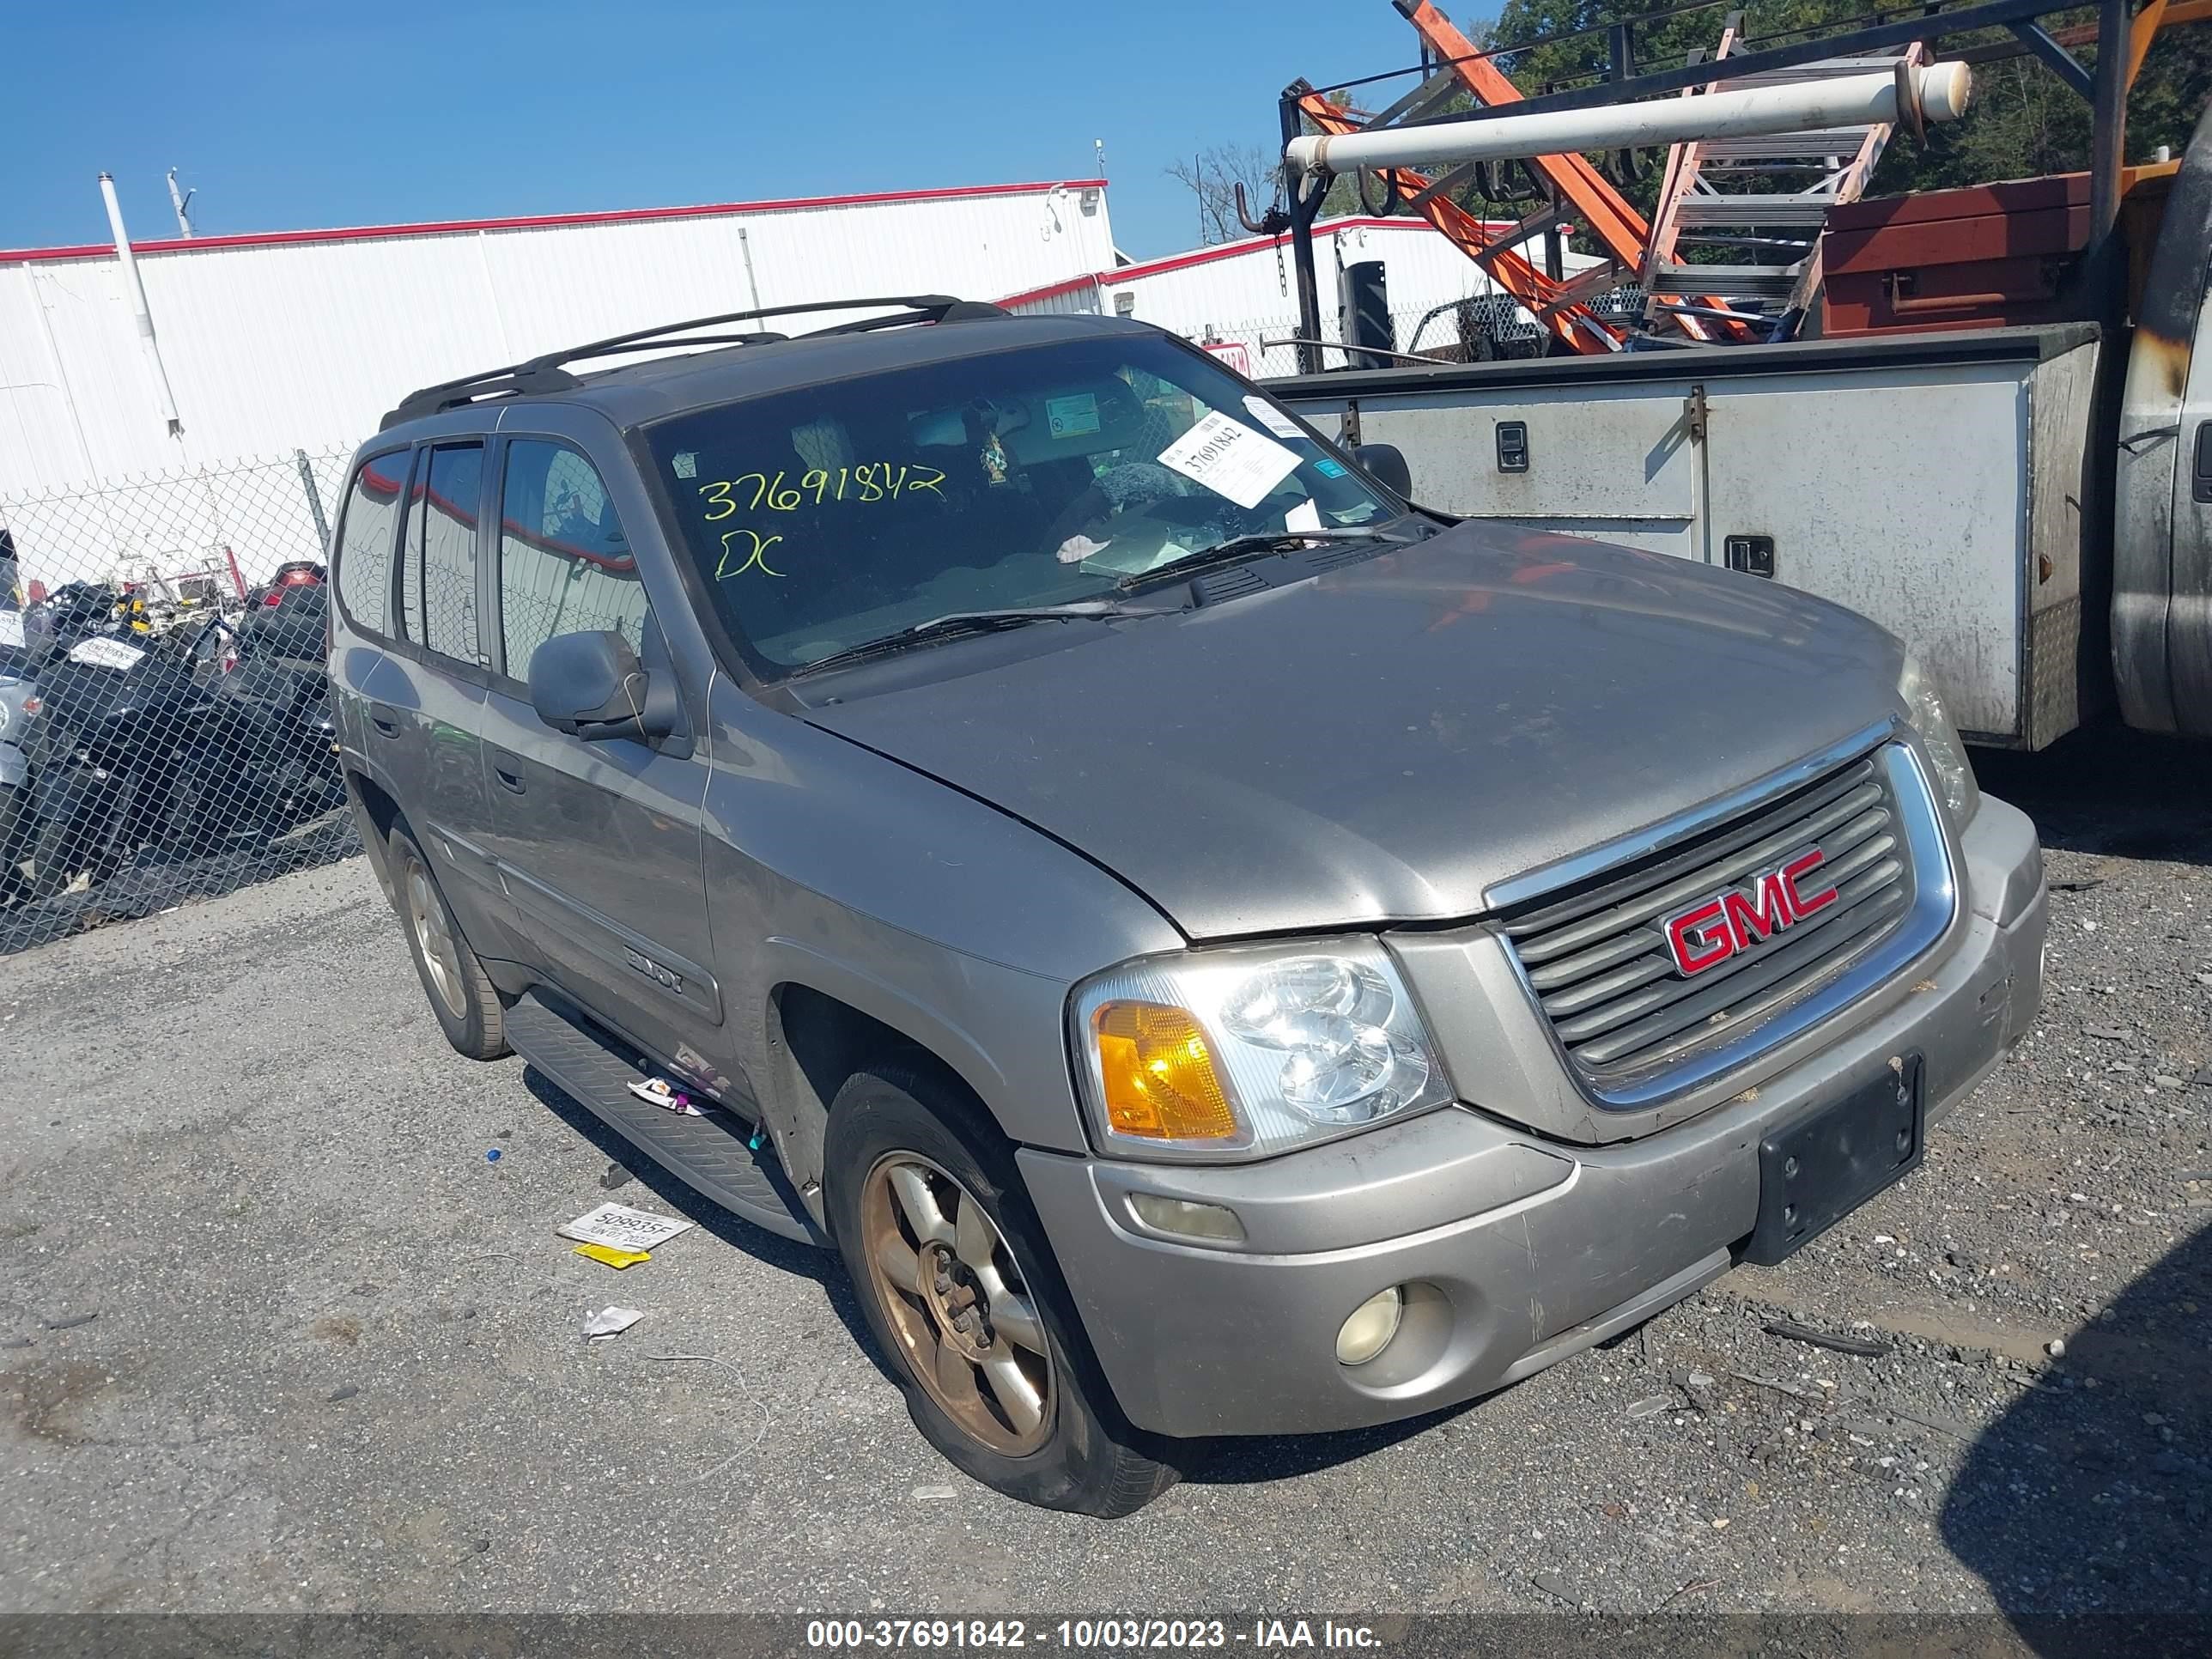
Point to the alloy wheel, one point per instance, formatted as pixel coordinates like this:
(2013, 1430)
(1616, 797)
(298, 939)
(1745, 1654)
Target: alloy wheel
(434, 937)
(951, 1290)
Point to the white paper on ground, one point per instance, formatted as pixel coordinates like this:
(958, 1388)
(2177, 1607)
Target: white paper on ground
(1304, 516)
(1231, 459)
(612, 1321)
(105, 653)
(1271, 417)
(622, 1228)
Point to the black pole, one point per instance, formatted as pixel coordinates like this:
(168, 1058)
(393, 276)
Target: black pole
(2108, 123)
(1304, 193)
(1623, 68)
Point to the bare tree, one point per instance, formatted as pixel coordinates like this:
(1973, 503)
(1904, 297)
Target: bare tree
(1212, 176)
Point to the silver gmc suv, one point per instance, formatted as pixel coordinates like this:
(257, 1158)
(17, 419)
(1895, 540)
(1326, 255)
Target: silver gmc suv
(1218, 949)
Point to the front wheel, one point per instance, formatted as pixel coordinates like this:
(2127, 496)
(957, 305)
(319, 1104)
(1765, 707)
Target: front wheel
(959, 1289)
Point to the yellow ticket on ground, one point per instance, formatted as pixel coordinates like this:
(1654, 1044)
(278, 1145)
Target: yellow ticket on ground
(613, 1257)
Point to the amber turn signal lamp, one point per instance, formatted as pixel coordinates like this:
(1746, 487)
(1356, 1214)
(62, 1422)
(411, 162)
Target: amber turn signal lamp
(1156, 1074)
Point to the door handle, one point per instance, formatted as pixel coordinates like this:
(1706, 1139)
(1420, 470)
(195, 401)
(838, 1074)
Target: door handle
(385, 717)
(510, 781)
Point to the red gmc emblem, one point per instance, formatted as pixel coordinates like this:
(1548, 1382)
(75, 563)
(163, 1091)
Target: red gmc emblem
(1706, 935)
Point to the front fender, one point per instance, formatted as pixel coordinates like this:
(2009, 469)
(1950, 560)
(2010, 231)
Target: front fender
(998, 1028)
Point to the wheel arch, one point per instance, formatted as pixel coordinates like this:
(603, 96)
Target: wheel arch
(826, 1019)
(375, 815)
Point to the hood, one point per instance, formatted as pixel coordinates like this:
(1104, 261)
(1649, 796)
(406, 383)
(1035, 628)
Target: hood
(1387, 741)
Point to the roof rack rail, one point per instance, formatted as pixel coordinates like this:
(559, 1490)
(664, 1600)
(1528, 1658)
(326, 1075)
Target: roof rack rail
(548, 372)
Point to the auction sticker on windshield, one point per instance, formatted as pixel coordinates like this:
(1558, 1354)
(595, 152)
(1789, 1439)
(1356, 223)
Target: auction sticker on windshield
(1271, 417)
(106, 654)
(1231, 459)
(11, 628)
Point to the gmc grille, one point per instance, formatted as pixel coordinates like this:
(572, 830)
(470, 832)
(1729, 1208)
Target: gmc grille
(1595, 955)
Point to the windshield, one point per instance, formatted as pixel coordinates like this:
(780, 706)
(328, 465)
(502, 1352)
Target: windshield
(835, 515)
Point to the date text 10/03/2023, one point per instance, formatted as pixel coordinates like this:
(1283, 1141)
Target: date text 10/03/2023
(1088, 1634)
(862, 482)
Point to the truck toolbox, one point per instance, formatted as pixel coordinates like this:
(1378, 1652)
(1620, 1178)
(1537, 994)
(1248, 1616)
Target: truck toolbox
(1985, 257)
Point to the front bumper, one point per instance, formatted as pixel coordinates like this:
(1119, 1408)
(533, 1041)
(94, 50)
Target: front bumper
(1518, 1250)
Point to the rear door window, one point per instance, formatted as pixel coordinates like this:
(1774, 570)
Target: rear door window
(449, 511)
(564, 563)
(365, 541)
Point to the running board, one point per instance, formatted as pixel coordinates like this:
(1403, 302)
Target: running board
(709, 1154)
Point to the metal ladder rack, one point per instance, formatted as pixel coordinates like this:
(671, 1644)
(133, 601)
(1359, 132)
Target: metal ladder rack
(1834, 165)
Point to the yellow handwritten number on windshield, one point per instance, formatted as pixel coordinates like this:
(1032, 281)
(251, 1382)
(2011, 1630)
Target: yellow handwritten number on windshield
(755, 549)
(869, 481)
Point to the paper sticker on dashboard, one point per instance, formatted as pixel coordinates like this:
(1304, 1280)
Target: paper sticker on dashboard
(1231, 459)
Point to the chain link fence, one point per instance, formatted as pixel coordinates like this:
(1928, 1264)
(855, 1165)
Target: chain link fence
(164, 725)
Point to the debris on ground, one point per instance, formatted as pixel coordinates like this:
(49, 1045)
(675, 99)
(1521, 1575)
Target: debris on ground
(68, 1322)
(611, 1321)
(768, 1417)
(1866, 1347)
(613, 1257)
(1651, 1405)
(336, 1394)
(1554, 1585)
(622, 1228)
(615, 1177)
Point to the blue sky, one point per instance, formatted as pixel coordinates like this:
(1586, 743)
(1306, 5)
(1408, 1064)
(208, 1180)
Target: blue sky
(310, 115)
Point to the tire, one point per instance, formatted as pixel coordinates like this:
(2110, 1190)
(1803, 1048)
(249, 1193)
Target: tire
(15, 832)
(901, 1141)
(460, 993)
(55, 846)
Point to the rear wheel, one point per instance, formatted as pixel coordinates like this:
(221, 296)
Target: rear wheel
(57, 851)
(15, 831)
(960, 1289)
(460, 991)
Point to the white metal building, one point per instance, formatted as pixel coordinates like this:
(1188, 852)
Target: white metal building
(1243, 292)
(301, 339)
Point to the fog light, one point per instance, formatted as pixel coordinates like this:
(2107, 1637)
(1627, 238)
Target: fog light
(1181, 1215)
(1370, 1327)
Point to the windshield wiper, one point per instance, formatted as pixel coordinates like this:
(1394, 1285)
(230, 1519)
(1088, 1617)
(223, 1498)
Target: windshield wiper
(1244, 547)
(955, 623)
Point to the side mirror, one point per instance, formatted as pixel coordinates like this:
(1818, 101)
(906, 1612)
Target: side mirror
(591, 686)
(1383, 463)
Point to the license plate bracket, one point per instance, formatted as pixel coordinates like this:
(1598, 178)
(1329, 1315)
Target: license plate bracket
(1816, 1171)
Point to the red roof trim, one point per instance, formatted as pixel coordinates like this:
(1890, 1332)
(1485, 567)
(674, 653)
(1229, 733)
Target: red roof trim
(545, 221)
(1222, 251)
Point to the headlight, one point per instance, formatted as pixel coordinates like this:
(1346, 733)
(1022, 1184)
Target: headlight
(1243, 1053)
(1954, 774)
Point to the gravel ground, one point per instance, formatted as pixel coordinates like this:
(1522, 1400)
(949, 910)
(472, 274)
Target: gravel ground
(331, 1358)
